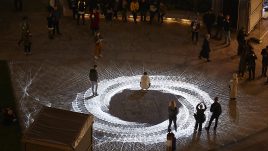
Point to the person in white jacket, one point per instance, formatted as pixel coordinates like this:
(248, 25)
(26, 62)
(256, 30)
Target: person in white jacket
(145, 81)
(233, 87)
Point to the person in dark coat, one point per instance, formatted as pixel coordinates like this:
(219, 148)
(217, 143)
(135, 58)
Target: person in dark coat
(205, 49)
(116, 5)
(172, 114)
(227, 30)
(242, 61)
(264, 54)
(93, 77)
(143, 10)
(81, 10)
(124, 10)
(109, 13)
(216, 112)
(56, 14)
(161, 12)
(209, 19)
(50, 26)
(153, 9)
(200, 116)
(74, 5)
(241, 37)
(219, 27)
(251, 64)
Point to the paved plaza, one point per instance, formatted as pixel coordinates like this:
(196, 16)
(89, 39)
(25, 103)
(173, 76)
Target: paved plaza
(56, 75)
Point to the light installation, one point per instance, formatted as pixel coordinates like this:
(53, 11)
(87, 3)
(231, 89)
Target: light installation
(114, 129)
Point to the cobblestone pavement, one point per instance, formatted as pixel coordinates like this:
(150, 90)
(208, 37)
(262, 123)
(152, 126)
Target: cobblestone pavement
(56, 75)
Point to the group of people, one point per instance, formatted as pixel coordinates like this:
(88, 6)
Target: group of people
(223, 27)
(245, 51)
(221, 24)
(110, 9)
(247, 57)
(199, 116)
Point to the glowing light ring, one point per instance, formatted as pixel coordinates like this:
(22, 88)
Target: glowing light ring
(124, 131)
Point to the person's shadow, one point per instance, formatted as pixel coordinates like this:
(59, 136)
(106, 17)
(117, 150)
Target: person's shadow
(214, 138)
(196, 137)
(233, 113)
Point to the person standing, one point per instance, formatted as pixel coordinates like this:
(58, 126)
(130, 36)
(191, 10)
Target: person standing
(251, 64)
(93, 77)
(162, 12)
(145, 81)
(50, 26)
(195, 25)
(153, 10)
(74, 5)
(24, 26)
(116, 9)
(81, 11)
(227, 30)
(219, 27)
(209, 19)
(233, 87)
(200, 116)
(172, 114)
(204, 53)
(143, 10)
(242, 60)
(241, 37)
(56, 20)
(216, 112)
(134, 7)
(264, 54)
(109, 13)
(94, 21)
(124, 10)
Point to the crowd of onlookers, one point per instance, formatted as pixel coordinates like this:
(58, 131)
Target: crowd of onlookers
(112, 8)
(220, 24)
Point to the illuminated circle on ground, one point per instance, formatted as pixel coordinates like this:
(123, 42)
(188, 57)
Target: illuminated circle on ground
(124, 131)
